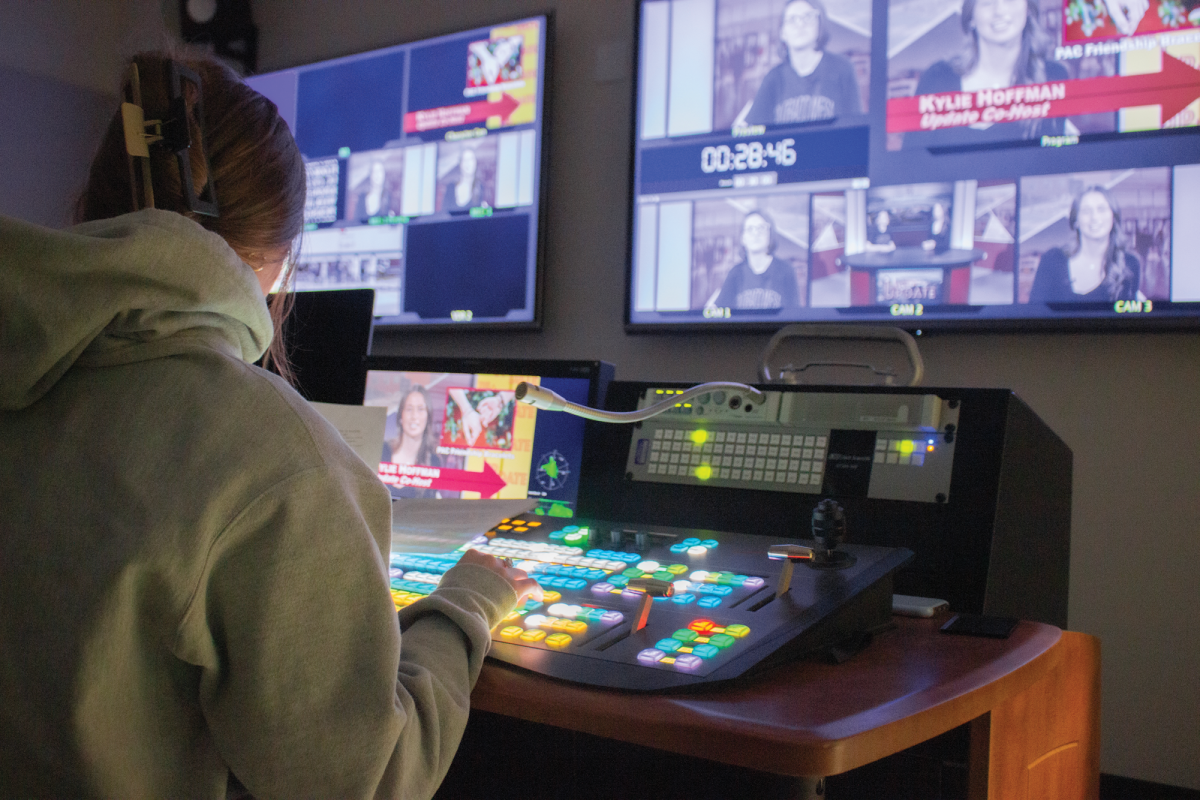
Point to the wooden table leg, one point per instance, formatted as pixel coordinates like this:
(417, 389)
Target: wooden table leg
(1044, 742)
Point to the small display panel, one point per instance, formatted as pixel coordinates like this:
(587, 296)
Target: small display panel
(424, 166)
(463, 434)
(993, 163)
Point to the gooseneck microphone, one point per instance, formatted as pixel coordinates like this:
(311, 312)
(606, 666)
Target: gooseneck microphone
(548, 400)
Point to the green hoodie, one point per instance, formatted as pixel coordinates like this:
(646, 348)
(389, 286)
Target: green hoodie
(193, 574)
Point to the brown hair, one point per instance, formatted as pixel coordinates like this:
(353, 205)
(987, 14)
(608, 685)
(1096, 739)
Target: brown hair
(1119, 280)
(256, 169)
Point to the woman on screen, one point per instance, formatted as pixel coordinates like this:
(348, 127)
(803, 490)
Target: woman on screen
(811, 84)
(416, 440)
(467, 192)
(374, 196)
(759, 281)
(1007, 47)
(1095, 267)
(231, 629)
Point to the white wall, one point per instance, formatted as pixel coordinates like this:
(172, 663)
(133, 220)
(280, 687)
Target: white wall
(1127, 404)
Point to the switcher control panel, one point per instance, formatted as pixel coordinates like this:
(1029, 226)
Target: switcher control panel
(655, 608)
(882, 446)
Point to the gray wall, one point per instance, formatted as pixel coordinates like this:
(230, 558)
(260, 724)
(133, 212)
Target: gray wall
(1123, 402)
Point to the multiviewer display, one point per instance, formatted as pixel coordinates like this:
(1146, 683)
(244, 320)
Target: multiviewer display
(916, 162)
(464, 435)
(424, 173)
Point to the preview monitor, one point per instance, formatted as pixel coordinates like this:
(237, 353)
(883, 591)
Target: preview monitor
(924, 163)
(455, 429)
(425, 167)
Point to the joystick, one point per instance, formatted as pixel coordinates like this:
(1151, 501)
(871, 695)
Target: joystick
(789, 554)
(828, 531)
(650, 589)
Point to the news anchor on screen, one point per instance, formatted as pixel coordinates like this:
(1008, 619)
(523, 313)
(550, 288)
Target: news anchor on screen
(810, 84)
(759, 281)
(1095, 267)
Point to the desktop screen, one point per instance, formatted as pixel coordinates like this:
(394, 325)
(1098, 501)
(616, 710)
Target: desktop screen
(977, 163)
(424, 165)
(458, 434)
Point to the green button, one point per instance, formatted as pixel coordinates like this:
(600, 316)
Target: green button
(685, 635)
(721, 640)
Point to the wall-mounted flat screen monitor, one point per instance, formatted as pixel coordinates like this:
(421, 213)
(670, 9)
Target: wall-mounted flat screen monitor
(926, 163)
(455, 430)
(425, 174)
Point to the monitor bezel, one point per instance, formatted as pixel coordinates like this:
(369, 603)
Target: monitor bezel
(1124, 323)
(536, 323)
(599, 373)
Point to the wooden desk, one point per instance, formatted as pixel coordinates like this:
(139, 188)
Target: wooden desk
(1032, 701)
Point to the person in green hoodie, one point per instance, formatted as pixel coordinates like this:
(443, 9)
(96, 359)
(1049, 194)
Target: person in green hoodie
(194, 594)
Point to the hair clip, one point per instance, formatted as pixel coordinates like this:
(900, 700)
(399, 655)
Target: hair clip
(172, 134)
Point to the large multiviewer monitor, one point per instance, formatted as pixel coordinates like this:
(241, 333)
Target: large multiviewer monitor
(425, 173)
(954, 163)
(454, 428)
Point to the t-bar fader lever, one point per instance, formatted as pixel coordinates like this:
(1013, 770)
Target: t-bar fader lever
(650, 588)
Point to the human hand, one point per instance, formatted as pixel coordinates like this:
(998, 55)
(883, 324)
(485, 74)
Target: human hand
(1127, 14)
(472, 424)
(489, 408)
(525, 586)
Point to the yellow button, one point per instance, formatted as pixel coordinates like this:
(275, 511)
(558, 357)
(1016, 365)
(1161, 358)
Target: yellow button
(684, 650)
(534, 635)
(550, 596)
(574, 626)
(512, 631)
(700, 640)
(533, 523)
(521, 529)
(558, 640)
(667, 660)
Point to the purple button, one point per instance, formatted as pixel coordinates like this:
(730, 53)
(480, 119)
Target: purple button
(611, 617)
(753, 583)
(652, 656)
(601, 588)
(629, 594)
(686, 662)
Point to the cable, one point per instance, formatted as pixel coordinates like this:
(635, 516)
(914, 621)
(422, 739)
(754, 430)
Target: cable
(548, 400)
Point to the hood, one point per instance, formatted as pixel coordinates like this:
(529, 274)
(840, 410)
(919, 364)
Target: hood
(115, 291)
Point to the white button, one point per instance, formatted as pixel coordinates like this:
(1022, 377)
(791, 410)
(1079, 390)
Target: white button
(658, 433)
(741, 438)
(774, 438)
(786, 440)
(879, 458)
(809, 441)
(821, 441)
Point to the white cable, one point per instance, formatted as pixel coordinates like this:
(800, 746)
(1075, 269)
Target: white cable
(548, 400)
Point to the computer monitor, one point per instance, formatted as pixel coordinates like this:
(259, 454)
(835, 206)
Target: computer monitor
(968, 163)
(327, 336)
(426, 173)
(454, 428)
